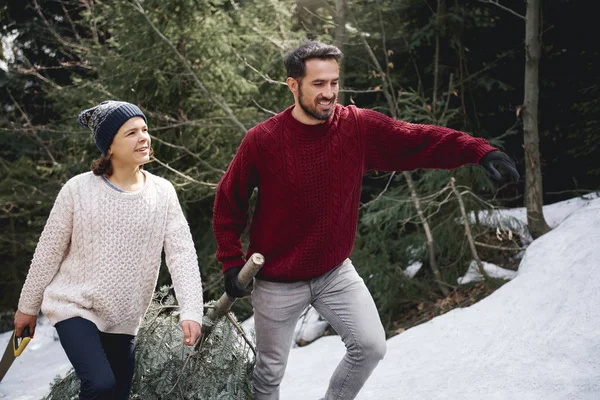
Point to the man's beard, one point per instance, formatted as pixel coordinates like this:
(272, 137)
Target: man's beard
(311, 109)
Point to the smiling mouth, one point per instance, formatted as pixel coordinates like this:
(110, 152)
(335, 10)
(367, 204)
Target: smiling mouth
(325, 103)
(143, 149)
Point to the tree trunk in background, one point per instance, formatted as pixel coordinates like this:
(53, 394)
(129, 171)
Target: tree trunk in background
(533, 183)
(439, 15)
(387, 92)
(340, 35)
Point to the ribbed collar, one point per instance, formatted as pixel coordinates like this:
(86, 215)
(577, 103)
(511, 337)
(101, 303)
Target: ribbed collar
(126, 195)
(315, 131)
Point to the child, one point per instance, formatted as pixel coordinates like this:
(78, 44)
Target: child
(97, 261)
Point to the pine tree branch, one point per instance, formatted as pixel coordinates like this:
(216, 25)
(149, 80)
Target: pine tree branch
(490, 246)
(54, 33)
(241, 332)
(224, 303)
(255, 30)
(187, 177)
(496, 3)
(221, 103)
(188, 151)
(26, 117)
(264, 109)
(392, 104)
(387, 185)
(468, 229)
(266, 77)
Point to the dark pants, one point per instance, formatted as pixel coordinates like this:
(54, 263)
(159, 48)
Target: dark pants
(104, 362)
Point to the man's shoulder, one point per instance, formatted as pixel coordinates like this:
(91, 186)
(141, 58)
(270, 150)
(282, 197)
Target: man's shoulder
(349, 109)
(366, 116)
(269, 126)
(348, 116)
(352, 110)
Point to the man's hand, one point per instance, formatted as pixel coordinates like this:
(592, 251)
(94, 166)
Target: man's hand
(495, 158)
(191, 332)
(23, 320)
(233, 287)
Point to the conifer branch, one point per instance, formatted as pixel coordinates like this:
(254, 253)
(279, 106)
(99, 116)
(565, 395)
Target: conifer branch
(28, 120)
(491, 246)
(496, 3)
(221, 103)
(188, 151)
(468, 229)
(187, 177)
(255, 30)
(239, 329)
(388, 93)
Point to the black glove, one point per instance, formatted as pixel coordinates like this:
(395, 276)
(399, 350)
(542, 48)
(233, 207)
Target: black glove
(233, 287)
(494, 158)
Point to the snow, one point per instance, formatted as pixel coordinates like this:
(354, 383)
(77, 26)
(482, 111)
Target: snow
(553, 213)
(537, 337)
(6, 43)
(494, 271)
(310, 326)
(31, 373)
(557, 212)
(412, 269)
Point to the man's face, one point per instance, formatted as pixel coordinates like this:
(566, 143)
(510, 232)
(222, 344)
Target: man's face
(318, 89)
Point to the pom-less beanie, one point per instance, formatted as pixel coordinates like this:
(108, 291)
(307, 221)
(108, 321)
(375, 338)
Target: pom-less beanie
(105, 119)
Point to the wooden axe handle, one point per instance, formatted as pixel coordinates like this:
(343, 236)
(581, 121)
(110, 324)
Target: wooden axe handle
(247, 273)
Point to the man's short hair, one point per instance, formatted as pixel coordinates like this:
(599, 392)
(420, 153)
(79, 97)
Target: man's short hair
(295, 60)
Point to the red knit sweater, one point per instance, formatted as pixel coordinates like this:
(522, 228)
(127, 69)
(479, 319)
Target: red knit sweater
(309, 182)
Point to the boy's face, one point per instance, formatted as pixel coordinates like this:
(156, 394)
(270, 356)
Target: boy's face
(131, 144)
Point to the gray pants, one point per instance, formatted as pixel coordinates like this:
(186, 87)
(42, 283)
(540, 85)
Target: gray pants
(342, 298)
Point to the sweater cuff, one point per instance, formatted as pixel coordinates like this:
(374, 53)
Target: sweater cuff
(191, 316)
(482, 149)
(33, 311)
(233, 264)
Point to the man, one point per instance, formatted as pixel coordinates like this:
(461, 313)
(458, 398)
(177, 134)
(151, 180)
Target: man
(308, 163)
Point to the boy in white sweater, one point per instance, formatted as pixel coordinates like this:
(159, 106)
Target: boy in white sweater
(97, 261)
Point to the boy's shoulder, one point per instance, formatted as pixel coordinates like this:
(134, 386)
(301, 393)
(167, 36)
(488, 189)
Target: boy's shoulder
(160, 182)
(85, 178)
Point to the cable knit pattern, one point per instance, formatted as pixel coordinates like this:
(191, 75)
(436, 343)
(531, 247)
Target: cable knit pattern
(310, 178)
(100, 252)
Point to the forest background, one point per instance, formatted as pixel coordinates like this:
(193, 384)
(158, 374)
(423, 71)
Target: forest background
(204, 72)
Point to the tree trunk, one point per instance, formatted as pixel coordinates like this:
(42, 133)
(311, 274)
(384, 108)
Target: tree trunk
(533, 183)
(224, 303)
(387, 92)
(468, 234)
(430, 243)
(340, 36)
(439, 15)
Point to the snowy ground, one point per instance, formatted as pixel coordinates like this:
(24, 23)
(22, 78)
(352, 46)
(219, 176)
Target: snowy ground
(31, 374)
(537, 337)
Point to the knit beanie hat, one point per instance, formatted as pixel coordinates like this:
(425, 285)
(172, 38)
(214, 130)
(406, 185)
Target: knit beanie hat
(106, 118)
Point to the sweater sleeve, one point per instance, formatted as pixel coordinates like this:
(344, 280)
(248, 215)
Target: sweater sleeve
(182, 262)
(230, 215)
(50, 251)
(393, 145)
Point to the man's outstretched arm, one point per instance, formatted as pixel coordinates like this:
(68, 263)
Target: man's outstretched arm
(393, 145)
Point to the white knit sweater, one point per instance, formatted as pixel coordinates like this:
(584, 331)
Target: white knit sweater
(100, 252)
